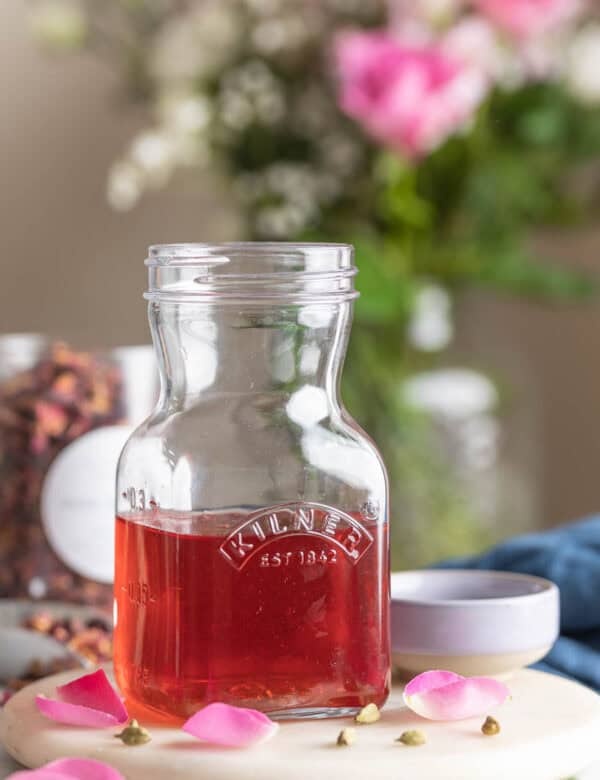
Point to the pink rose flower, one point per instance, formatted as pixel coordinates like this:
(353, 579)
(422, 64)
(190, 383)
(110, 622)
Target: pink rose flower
(526, 18)
(409, 98)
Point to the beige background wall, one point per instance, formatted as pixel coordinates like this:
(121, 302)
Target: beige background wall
(69, 263)
(72, 267)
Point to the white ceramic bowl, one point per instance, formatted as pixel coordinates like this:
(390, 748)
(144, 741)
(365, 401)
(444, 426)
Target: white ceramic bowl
(471, 622)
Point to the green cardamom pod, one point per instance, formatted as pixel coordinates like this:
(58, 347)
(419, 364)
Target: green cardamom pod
(134, 734)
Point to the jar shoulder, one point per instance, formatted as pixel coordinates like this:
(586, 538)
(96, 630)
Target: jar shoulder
(202, 433)
(243, 451)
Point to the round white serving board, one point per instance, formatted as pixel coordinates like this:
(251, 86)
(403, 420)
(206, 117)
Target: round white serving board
(550, 730)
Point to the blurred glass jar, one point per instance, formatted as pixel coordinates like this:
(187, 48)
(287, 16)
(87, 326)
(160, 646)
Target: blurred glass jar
(467, 466)
(64, 417)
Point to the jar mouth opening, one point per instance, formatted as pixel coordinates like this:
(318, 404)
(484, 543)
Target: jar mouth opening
(222, 253)
(260, 270)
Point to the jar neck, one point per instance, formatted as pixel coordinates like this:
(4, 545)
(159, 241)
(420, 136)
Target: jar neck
(212, 349)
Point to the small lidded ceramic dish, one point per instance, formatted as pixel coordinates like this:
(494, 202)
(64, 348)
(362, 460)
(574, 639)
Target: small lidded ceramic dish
(471, 622)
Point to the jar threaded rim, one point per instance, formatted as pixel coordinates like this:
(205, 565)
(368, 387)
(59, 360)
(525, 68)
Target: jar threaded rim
(305, 272)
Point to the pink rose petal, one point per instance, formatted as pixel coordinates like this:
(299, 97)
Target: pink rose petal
(443, 695)
(70, 769)
(94, 690)
(429, 680)
(87, 701)
(74, 714)
(37, 774)
(526, 19)
(222, 724)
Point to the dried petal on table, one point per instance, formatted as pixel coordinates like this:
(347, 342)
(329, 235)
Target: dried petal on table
(223, 724)
(87, 701)
(441, 695)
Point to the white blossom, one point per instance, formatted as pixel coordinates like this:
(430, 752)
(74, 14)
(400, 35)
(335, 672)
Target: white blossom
(185, 112)
(236, 110)
(452, 393)
(270, 107)
(198, 43)
(583, 64)
(340, 153)
(251, 93)
(124, 185)
(153, 153)
(273, 222)
(280, 34)
(288, 196)
(269, 36)
(543, 57)
(475, 41)
(60, 24)
(430, 328)
(440, 10)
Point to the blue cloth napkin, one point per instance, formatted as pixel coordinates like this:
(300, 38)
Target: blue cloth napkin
(570, 557)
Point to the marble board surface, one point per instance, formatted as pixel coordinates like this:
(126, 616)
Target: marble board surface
(550, 730)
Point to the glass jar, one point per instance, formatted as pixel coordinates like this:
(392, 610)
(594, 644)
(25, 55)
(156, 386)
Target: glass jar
(252, 510)
(466, 467)
(64, 417)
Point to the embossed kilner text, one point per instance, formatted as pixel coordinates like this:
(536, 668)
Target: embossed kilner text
(310, 519)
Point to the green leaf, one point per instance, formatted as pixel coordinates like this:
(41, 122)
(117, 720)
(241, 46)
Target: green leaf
(510, 268)
(399, 204)
(386, 286)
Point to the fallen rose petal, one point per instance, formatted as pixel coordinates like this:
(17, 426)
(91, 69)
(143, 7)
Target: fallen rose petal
(94, 690)
(87, 701)
(428, 680)
(440, 696)
(70, 769)
(84, 769)
(222, 724)
(37, 774)
(74, 714)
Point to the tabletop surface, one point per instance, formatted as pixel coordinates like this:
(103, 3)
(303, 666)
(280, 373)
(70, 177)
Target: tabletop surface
(7, 766)
(549, 731)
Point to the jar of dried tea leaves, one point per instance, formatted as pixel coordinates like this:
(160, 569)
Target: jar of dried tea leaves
(64, 416)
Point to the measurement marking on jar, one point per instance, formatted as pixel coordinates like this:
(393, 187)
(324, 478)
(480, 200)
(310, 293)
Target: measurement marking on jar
(139, 594)
(299, 558)
(141, 675)
(138, 501)
(370, 509)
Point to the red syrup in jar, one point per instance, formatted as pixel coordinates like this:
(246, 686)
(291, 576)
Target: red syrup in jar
(287, 613)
